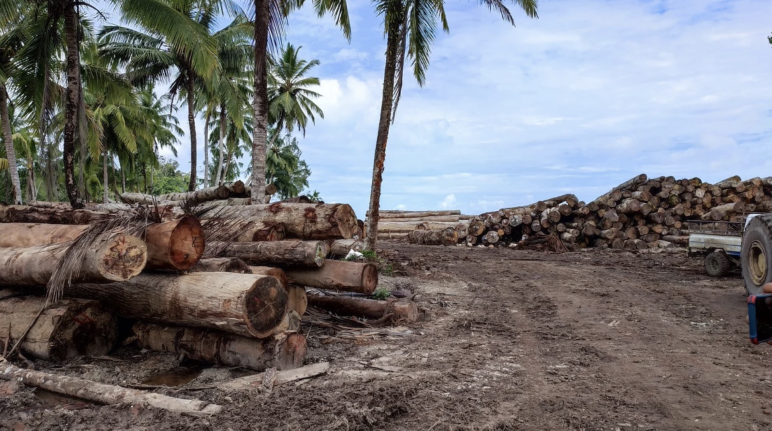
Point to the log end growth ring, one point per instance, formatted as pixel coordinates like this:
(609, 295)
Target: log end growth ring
(122, 257)
(321, 253)
(369, 278)
(266, 304)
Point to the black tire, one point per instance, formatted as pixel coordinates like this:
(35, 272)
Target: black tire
(757, 254)
(717, 264)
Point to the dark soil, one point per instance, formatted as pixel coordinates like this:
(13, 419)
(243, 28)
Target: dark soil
(516, 340)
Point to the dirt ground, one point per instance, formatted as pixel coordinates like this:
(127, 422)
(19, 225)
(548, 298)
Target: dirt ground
(516, 340)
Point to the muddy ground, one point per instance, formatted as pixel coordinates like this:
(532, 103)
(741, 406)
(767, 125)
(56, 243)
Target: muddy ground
(517, 340)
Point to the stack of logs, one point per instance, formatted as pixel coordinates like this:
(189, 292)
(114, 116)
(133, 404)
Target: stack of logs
(225, 285)
(424, 227)
(639, 213)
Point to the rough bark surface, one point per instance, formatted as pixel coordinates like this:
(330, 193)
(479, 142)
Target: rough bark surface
(260, 104)
(72, 101)
(65, 330)
(341, 247)
(282, 253)
(447, 236)
(113, 257)
(283, 351)
(10, 153)
(302, 221)
(404, 311)
(222, 264)
(338, 275)
(243, 304)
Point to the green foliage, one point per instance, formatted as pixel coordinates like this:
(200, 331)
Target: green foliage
(381, 293)
(169, 179)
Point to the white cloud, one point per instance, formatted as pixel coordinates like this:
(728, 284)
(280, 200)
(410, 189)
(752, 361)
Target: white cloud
(449, 201)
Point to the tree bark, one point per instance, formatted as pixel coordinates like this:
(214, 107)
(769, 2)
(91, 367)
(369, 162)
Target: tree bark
(282, 253)
(10, 153)
(65, 330)
(447, 236)
(338, 275)
(303, 221)
(206, 149)
(402, 311)
(218, 180)
(297, 300)
(192, 126)
(103, 393)
(260, 104)
(283, 352)
(113, 257)
(72, 101)
(341, 247)
(243, 304)
(29, 214)
(393, 33)
(222, 264)
(419, 214)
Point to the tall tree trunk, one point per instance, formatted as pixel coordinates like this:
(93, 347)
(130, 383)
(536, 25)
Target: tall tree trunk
(9, 151)
(32, 188)
(42, 129)
(392, 45)
(192, 125)
(71, 105)
(220, 175)
(144, 175)
(123, 178)
(206, 151)
(115, 176)
(105, 198)
(226, 167)
(259, 134)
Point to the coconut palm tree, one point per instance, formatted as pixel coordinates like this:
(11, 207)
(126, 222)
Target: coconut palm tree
(410, 27)
(289, 92)
(269, 19)
(173, 43)
(10, 43)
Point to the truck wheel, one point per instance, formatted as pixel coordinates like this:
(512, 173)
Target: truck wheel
(717, 264)
(757, 254)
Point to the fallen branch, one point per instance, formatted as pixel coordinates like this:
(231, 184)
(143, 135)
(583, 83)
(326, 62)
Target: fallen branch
(281, 377)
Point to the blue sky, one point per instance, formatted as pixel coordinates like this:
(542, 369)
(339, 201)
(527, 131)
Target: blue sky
(587, 96)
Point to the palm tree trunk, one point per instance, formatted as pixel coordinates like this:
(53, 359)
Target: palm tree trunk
(123, 179)
(115, 176)
(9, 151)
(71, 104)
(227, 166)
(192, 125)
(222, 138)
(206, 151)
(32, 188)
(387, 99)
(260, 105)
(144, 175)
(105, 198)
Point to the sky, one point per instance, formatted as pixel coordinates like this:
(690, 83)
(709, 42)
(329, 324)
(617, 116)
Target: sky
(587, 96)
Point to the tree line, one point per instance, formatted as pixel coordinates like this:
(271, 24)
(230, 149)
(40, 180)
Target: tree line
(88, 98)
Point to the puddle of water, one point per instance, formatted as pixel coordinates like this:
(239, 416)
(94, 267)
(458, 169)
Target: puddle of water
(175, 377)
(52, 399)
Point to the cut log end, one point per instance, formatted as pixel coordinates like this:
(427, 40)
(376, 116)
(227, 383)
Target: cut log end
(266, 305)
(178, 244)
(292, 352)
(121, 257)
(369, 278)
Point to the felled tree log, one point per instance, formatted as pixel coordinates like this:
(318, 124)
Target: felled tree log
(112, 257)
(219, 229)
(629, 184)
(243, 304)
(447, 219)
(222, 264)
(338, 275)
(303, 221)
(283, 352)
(34, 234)
(404, 311)
(418, 214)
(177, 244)
(236, 188)
(296, 295)
(103, 393)
(198, 196)
(447, 236)
(56, 215)
(65, 330)
(282, 253)
(676, 239)
(341, 247)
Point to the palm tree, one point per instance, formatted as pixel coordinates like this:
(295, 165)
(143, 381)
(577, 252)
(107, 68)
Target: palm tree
(174, 43)
(288, 90)
(410, 28)
(10, 42)
(269, 19)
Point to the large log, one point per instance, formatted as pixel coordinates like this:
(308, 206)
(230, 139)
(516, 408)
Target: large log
(243, 304)
(177, 244)
(65, 330)
(417, 214)
(447, 236)
(198, 196)
(56, 215)
(296, 295)
(338, 275)
(218, 229)
(341, 247)
(281, 253)
(404, 311)
(222, 264)
(304, 221)
(35, 234)
(283, 351)
(630, 184)
(447, 219)
(103, 393)
(112, 257)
